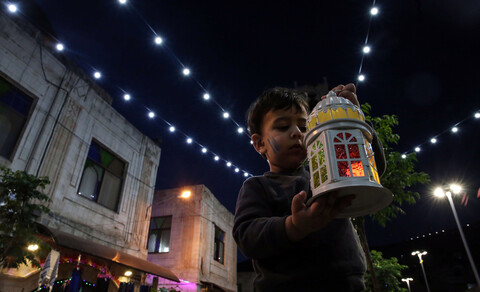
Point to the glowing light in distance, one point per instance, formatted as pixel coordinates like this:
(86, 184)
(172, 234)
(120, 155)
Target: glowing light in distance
(454, 129)
(439, 192)
(240, 130)
(189, 140)
(186, 194)
(60, 47)
(32, 247)
(151, 115)
(128, 273)
(127, 96)
(226, 115)
(186, 71)
(433, 140)
(361, 77)
(417, 149)
(366, 49)
(204, 150)
(404, 156)
(158, 40)
(456, 189)
(12, 8)
(122, 1)
(236, 169)
(245, 174)
(206, 96)
(97, 75)
(216, 158)
(477, 115)
(251, 142)
(229, 164)
(171, 129)
(374, 11)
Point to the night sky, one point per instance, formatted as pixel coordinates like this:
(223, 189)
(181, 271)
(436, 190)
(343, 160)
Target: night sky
(423, 68)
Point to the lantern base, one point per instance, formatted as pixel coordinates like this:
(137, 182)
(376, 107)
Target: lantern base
(369, 198)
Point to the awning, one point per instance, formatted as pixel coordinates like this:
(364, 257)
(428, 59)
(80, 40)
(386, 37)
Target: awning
(98, 250)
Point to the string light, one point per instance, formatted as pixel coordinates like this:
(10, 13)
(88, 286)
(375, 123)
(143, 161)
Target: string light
(417, 149)
(216, 158)
(151, 114)
(236, 169)
(189, 140)
(455, 129)
(226, 115)
(60, 47)
(229, 164)
(186, 71)
(97, 75)
(366, 49)
(206, 96)
(361, 77)
(204, 150)
(245, 174)
(433, 140)
(477, 115)
(171, 129)
(122, 2)
(374, 11)
(127, 97)
(158, 40)
(404, 156)
(12, 8)
(240, 130)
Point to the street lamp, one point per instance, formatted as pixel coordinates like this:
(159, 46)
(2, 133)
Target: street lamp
(420, 254)
(408, 282)
(447, 191)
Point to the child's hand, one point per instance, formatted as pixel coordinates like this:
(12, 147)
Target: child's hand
(307, 219)
(348, 91)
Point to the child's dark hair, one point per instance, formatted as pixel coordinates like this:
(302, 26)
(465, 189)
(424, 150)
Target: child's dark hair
(273, 99)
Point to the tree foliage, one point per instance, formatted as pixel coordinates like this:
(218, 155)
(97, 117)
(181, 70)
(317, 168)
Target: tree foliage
(20, 203)
(388, 273)
(400, 174)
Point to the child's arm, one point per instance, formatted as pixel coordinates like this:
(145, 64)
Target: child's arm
(307, 219)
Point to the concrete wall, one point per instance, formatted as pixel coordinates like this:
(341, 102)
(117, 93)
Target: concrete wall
(68, 111)
(192, 238)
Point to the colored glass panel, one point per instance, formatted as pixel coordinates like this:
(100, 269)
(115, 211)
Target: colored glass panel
(339, 113)
(353, 151)
(319, 144)
(347, 135)
(323, 117)
(316, 180)
(340, 151)
(343, 169)
(314, 162)
(324, 174)
(321, 156)
(357, 168)
(340, 135)
(314, 146)
(353, 114)
(353, 139)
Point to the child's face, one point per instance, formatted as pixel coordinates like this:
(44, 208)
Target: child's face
(282, 139)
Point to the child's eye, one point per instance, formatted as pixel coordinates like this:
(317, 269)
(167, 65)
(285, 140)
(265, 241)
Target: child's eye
(282, 128)
(303, 129)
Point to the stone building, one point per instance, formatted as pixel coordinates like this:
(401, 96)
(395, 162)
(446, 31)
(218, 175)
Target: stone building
(56, 122)
(191, 234)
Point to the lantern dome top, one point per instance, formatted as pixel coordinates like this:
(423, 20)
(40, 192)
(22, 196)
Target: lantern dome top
(331, 108)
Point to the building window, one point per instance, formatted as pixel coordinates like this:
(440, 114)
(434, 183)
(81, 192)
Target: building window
(102, 177)
(219, 245)
(159, 234)
(14, 109)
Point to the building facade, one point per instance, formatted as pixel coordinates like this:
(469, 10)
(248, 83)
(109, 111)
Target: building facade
(56, 122)
(191, 234)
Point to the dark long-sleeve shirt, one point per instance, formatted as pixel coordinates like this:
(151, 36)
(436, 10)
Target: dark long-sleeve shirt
(327, 260)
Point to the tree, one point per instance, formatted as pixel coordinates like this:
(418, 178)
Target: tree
(388, 272)
(397, 179)
(20, 203)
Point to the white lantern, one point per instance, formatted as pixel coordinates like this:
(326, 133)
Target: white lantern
(341, 158)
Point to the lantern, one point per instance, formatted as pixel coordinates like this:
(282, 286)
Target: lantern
(341, 158)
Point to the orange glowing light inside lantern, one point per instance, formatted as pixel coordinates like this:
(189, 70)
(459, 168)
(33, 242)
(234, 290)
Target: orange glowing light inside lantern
(186, 194)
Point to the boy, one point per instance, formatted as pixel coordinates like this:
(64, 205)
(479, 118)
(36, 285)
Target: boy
(293, 247)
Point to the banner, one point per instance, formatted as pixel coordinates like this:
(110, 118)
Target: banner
(49, 270)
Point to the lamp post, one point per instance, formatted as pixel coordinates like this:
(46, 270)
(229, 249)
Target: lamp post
(420, 254)
(408, 282)
(447, 191)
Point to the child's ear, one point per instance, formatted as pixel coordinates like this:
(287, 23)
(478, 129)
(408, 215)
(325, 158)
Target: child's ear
(259, 144)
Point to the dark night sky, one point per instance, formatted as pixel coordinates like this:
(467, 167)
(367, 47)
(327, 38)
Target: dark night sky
(423, 68)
